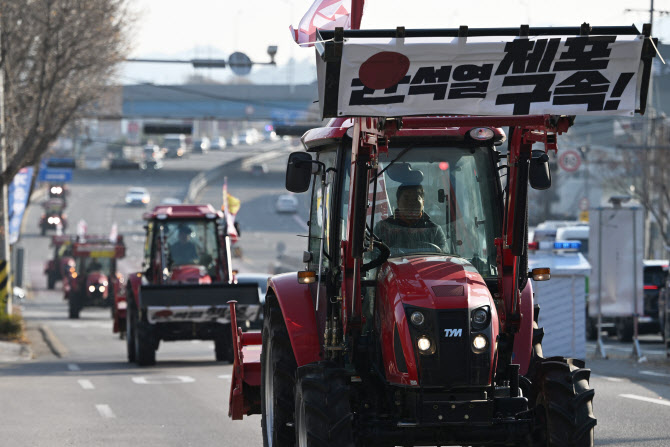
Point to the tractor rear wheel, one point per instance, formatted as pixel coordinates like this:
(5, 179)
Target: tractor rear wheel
(74, 306)
(322, 409)
(278, 368)
(51, 280)
(145, 353)
(624, 330)
(563, 404)
(223, 346)
(131, 323)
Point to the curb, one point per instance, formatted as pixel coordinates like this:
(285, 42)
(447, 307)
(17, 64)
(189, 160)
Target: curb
(52, 341)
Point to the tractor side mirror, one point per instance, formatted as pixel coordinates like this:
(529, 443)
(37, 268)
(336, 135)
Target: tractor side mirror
(539, 175)
(298, 172)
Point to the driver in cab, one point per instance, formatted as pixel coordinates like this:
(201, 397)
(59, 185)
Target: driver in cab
(410, 227)
(184, 251)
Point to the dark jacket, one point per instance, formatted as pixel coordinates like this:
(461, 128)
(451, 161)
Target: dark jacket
(397, 233)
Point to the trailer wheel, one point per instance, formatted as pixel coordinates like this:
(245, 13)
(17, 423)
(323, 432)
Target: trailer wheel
(322, 408)
(591, 329)
(563, 404)
(73, 306)
(278, 369)
(145, 353)
(131, 321)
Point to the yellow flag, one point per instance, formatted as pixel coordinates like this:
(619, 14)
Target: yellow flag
(233, 204)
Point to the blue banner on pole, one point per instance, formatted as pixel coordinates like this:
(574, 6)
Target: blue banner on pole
(55, 175)
(18, 195)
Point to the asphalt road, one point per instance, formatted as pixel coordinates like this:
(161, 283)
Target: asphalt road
(91, 396)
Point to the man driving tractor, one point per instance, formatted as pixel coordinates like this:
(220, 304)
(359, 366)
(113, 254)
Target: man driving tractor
(184, 251)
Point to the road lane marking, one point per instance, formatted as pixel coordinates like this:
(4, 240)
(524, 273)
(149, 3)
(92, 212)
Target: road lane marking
(73, 367)
(611, 379)
(652, 400)
(86, 384)
(654, 373)
(162, 380)
(226, 376)
(105, 411)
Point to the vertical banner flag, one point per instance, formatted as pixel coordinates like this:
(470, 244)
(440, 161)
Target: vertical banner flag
(18, 195)
(114, 233)
(327, 15)
(230, 207)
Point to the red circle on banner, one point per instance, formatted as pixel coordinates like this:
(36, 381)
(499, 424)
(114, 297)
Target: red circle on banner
(383, 70)
(570, 161)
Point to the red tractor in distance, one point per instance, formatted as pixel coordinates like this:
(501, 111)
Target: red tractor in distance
(185, 284)
(62, 262)
(95, 280)
(414, 322)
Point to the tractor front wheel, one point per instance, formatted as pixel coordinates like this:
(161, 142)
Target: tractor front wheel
(131, 324)
(278, 368)
(563, 404)
(322, 409)
(51, 280)
(145, 352)
(74, 306)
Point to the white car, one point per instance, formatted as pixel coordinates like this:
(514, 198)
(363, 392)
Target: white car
(287, 203)
(138, 196)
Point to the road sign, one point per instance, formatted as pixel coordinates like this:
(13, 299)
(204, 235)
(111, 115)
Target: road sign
(583, 216)
(240, 63)
(570, 161)
(55, 175)
(583, 204)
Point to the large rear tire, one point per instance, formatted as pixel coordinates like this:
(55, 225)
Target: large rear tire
(322, 408)
(131, 322)
(278, 369)
(563, 404)
(74, 306)
(145, 352)
(223, 346)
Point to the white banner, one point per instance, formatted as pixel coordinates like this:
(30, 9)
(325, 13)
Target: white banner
(560, 75)
(201, 314)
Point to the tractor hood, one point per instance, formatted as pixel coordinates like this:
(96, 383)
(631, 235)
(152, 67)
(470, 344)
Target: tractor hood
(434, 282)
(190, 274)
(95, 278)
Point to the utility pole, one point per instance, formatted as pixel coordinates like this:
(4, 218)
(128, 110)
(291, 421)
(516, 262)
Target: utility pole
(5, 279)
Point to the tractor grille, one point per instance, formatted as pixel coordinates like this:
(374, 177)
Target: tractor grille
(449, 366)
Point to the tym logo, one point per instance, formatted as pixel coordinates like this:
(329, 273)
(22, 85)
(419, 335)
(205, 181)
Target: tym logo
(453, 332)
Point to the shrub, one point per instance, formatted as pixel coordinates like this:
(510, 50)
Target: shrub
(11, 327)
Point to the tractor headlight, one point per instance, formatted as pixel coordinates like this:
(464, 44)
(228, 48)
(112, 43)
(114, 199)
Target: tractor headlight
(424, 344)
(121, 305)
(91, 288)
(417, 318)
(480, 318)
(479, 344)
(101, 288)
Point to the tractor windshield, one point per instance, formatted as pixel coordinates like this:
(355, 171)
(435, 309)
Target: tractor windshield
(191, 242)
(438, 200)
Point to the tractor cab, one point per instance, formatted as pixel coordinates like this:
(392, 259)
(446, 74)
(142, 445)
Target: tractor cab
(53, 216)
(95, 280)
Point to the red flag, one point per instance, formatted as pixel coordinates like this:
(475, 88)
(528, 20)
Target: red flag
(328, 15)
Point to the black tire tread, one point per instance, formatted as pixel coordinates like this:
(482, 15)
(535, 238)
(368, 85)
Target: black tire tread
(283, 370)
(324, 389)
(562, 391)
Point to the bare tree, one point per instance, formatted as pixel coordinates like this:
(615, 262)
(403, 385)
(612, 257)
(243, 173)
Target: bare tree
(58, 57)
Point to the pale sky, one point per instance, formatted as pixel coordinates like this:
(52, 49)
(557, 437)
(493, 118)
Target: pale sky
(216, 28)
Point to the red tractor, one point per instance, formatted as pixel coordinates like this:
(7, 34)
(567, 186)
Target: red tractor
(414, 322)
(59, 266)
(186, 282)
(53, 217)
(94, 281)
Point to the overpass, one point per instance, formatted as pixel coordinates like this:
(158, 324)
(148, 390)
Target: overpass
(282, 103)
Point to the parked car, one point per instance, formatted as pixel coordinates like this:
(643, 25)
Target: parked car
(287, 203)
(137, 196)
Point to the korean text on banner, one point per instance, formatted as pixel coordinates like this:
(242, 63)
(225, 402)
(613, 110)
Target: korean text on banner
(579, 75)
(19, 193)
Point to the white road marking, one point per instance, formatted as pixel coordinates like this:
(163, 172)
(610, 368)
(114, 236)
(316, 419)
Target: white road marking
(73, 367)
(654, 373)
(86, 384)
(162, 380)
(105, 411)
(611, 379)
(658, 401)
(226, 376)
(301, 222)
